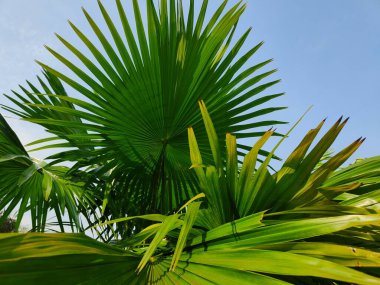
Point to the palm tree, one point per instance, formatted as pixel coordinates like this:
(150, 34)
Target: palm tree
(128, 126)
(128, 131)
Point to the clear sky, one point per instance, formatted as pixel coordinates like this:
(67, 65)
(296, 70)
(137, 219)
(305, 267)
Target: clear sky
(327, 53)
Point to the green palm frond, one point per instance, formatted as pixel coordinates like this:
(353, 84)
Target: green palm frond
(63, 259)
(140, 95)
(30, 185)
(52, 86)
(237, 190)
(164, 181)
(216, 240)
(267, 243)
(363, 171)
(248, 250)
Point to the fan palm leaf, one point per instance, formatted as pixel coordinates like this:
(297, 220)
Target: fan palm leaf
(140, 146)
(30, 185)
(219, 240)
(139, 96)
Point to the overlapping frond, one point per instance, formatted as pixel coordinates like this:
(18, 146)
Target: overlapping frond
(140, 145)
(247, 242)
(250, 250)
(139, 94)
(29, 185)
(226, 238)
(63, 259)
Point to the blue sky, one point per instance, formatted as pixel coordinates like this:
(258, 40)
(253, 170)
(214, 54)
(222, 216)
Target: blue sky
(327, 53)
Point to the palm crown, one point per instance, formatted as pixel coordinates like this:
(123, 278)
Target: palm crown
(135, 108)
(171, 187)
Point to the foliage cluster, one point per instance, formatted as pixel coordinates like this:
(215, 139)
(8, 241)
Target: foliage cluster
(152, 126)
